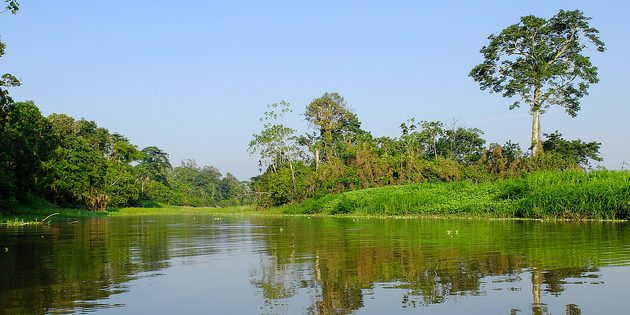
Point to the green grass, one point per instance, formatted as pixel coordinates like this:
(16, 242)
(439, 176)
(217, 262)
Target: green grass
(19, 222)
(560, 195)
(33, 216)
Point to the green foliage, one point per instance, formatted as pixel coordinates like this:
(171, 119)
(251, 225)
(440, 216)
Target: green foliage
(153, 168)
(275, 188)
(560, 194)
(74, 162)
(543, 55)
(573, 194)
(461, 197)
(24, 144)
(333, 120)
(576, 152)
(11, 6)
(121, 185)
(191, 185)
(425, 152)
(463, 145)
(276, 144)
(77, 163)
(76, 171)
(541, 63)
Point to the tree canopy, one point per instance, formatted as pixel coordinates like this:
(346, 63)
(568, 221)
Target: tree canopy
(541, 62)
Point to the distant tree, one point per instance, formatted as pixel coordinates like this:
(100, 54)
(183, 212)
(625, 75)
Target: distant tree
(120, 178)
(328, 114)
(430, 133)
(574, 151)
(464, 145)
(231, 189)
(153, 166)
(276, 143)
(541, 62)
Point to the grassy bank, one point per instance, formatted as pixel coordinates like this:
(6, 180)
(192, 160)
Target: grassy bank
(566, 195)
(560, 195)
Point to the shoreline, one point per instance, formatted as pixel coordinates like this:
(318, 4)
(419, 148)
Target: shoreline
(551, 196)
(47, 216)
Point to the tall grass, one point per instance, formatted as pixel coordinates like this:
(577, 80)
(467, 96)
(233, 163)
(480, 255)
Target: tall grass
(574, 194)
(568, 194)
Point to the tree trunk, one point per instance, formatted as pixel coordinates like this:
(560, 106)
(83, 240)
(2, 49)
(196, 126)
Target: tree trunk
(142, 188)
(292, 176)
(537, 148)
(316, 159)
(537, 307)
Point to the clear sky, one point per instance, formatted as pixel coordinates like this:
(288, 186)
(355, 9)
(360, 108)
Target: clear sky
(193, 77)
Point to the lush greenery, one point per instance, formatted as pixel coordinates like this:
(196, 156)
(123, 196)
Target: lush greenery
(539, 60)
(77, 164)
(569, 194)
(345, 157)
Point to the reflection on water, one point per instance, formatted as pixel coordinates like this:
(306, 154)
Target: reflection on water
(271, 265)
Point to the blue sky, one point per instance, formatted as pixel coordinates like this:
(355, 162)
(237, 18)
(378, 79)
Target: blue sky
(193, 77)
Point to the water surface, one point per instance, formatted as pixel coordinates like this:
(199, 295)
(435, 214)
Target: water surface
(295, 265)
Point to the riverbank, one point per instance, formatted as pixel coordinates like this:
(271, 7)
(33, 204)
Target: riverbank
(553, 195)
(573, 195)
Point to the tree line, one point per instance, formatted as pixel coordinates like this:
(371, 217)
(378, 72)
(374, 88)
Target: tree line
(339, 155)
(77, 163)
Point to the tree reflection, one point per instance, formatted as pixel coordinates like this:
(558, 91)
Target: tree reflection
(430, 264)
(334, 263)
(63, 268)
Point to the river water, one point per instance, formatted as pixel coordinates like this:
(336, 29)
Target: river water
(203, 264)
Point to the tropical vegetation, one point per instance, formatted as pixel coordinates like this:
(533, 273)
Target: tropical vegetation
(443, 168)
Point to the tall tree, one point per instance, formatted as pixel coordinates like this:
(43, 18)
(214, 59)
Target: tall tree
(541, 62)
(153, 166)
(329, 114)
(276, 143)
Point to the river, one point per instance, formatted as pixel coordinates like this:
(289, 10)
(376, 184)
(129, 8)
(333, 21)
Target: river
(205, 264)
